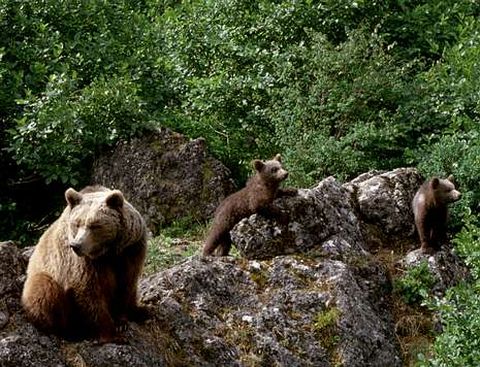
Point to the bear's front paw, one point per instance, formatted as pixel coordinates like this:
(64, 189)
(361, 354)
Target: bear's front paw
(427, 250)
(112, 339)
(140, 313)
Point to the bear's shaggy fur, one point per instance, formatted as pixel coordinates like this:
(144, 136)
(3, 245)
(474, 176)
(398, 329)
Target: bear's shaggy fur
(82, 276)
(256, 197)
(430, 212)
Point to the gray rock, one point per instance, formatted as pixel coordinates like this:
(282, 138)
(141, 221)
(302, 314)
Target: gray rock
(165, 176)
(322, 220)
(318, 298)
(12, 268)
(336, 220)
(275, 313)
(384, 200)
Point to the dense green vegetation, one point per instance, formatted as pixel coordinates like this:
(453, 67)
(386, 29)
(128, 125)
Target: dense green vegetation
(338, 87)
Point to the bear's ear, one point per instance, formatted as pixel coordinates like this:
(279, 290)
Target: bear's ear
(258, 164)
(73, 197)
(278, 157)
(451, 178)
(435, 182)
(115, 199)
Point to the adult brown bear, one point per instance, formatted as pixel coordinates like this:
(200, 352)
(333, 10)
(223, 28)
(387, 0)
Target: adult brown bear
(83, 274)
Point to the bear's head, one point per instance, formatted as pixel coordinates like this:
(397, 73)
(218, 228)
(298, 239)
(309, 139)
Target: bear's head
(94, 222)
(444, 190)
(271, 170)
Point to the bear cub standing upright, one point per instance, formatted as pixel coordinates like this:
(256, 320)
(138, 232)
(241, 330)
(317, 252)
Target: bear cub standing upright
(256, 197)
(430, 211)
(82, 276)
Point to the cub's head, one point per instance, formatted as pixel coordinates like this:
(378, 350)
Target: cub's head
(444, 190)
(95, 221)
(271, 170)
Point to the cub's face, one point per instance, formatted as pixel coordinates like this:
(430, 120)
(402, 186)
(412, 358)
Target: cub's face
(271, 170)
(94, 222)
(445, 191)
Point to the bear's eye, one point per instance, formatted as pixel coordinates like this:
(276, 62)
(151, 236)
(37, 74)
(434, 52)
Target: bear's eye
(274, 169)
(94, 226)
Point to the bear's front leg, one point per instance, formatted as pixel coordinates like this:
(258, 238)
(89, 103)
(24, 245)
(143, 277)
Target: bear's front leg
(128, 274)
(106, 329)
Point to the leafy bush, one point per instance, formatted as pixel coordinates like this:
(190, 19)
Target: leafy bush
(453, 102)
(459, 342)
(415, 285)
(62, 127)
(459, 310)
(467, 244)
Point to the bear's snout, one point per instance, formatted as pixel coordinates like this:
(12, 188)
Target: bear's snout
(456, 195)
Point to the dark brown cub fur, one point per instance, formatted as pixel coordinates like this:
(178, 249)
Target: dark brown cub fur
(256, 197)
(430, 211)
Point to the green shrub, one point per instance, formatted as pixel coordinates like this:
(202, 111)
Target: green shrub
(459, 342)
(63, 127)
(459, 311)
(415, 285)
(467, 244)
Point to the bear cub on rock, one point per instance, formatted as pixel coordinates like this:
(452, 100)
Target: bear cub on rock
(82, 276)
(256, 197)
(430, 212)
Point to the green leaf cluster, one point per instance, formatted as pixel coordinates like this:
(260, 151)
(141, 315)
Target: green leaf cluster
(415, 286)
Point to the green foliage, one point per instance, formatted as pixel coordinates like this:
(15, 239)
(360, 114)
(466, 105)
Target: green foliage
(177, 242)
(453, 102)
(415, 285)
(459, 343)
(467, 245)
(76, 76)
(459, 310)
(62, 127)
(325, 327)
(327, 319)
(164, 252)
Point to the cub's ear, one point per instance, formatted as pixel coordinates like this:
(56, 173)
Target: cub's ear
(278, 157)
(258, 164)
(435, 182)
(115, 200)
(73, 197)
(451, 178)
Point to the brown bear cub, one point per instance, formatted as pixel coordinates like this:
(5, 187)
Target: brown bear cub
(256, 197)
(83, 274)
(430, 212)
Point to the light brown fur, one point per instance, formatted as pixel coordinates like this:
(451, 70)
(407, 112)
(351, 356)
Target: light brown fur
(83, 274)
(256, 197)
(430, 211)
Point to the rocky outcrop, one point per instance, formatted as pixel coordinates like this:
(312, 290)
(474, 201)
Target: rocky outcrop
(306, 293)
(334, 219)
(290, 311)
(321, 220)
(165, 176)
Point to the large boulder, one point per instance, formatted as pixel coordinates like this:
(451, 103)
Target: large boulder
(336, 220)
(290, 311)
(287, 312)
(316, 297)
(384, 205)
(165, 176)
(321, 220)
